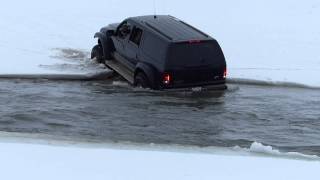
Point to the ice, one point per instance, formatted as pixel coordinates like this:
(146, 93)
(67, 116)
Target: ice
(35, 162)
(37, 156)
(259, 148)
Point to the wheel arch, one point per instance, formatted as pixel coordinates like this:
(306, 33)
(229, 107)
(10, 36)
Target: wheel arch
(102, 40)
(106, 43)
(149, 71)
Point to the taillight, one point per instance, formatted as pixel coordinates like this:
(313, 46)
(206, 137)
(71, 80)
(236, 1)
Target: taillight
(225, 73)
(166, 78)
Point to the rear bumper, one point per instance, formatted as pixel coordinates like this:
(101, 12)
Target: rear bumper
(216, 85)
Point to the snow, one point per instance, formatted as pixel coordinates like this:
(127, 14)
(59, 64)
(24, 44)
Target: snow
(267, 40)
(122, 162)
(259, 148)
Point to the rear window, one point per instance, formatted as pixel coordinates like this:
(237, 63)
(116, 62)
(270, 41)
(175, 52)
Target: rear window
(195, 54)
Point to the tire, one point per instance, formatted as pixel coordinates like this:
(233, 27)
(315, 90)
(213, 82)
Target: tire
(109, 48)
(141, 80)
(97, 52)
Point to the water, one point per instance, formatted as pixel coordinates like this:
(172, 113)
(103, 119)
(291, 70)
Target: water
(286, 118)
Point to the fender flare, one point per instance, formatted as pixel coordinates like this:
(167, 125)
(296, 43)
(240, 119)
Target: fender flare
(149, 72)
(106, 43)
(103, 39)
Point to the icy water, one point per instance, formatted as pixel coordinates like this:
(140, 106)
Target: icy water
(286, 118)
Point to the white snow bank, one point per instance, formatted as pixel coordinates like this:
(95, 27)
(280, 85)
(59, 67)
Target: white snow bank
(31, 161)
(260, 149)
(265, 40)
(54, 158)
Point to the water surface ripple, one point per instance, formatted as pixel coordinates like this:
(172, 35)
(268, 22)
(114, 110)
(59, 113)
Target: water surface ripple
(286, 118)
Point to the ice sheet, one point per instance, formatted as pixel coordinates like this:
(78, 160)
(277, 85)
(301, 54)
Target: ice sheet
(31, 161)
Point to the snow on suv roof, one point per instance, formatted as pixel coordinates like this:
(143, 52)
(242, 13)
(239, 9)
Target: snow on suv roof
(171, 28)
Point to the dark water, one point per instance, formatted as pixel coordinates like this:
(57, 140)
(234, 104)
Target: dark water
(286, 118)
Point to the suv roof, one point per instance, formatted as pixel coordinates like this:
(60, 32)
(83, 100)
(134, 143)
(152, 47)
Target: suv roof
(171, 28)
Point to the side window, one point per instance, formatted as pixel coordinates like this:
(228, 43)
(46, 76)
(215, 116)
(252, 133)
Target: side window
(124, 30)
(136, 35)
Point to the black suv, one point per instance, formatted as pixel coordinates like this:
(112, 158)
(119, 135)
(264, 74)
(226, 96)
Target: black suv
(161, 52)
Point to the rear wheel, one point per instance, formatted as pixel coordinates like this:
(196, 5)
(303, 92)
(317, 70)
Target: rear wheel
(97, 53)
(141, 80)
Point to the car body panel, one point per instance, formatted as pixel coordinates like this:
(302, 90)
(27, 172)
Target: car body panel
(167, 45)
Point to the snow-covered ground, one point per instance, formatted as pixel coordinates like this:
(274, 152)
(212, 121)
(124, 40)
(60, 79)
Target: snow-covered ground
(52, 159)
(264, 40)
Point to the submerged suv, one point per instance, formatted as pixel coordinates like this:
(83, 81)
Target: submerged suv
(161, 52)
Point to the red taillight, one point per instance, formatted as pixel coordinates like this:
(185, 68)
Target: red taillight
(225, 73)
(166, 78)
